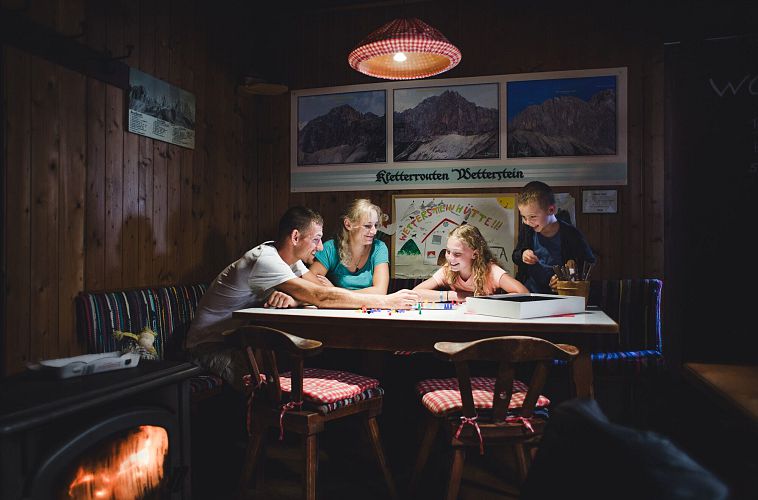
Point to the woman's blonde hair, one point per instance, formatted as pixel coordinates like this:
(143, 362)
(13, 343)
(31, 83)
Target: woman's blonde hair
(353, 213)
(472, 237)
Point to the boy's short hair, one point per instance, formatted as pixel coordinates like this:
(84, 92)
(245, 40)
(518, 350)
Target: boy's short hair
(297, 217)
(536, 191)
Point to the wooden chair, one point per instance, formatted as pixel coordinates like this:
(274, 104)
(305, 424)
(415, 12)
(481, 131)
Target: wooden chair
(482, 411)
(302, 401)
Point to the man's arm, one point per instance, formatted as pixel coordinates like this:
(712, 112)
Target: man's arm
(339, 298)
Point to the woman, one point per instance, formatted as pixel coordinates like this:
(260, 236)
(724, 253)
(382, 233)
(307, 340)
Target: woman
(356, 259)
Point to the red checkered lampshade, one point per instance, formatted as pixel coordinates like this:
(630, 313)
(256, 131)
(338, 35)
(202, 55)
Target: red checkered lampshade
(423, 51)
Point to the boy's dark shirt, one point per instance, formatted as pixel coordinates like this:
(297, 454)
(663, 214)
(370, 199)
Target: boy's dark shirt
(573, 247)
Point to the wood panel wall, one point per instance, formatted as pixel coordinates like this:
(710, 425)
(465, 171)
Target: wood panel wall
(90, 206)
(498, 38)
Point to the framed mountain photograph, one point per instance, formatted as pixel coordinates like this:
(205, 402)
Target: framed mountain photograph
(446, 123)
(566, 128)
(561, 117)
(342, 128)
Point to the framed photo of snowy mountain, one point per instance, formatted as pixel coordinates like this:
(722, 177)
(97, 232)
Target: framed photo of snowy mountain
(423, 223)
(160, 110)
(342, 128)
(446, 123)
(556, 117)
(565, 128)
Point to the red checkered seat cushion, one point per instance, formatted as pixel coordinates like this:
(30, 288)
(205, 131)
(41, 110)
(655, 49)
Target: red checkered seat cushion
(442, 396)
(329, 386)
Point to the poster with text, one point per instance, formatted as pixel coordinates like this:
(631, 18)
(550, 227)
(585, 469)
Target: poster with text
(160, 110)
(423, 223)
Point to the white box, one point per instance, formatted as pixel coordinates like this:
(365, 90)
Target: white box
(524, 305)
(87, 363)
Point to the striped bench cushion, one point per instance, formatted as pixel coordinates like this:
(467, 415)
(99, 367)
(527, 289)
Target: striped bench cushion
(168, 311)
(635, 304)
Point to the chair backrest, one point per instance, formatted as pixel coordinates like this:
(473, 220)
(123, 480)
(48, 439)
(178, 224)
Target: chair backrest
(507, 352)
(263, 345)
(635, 304)
(168, 311)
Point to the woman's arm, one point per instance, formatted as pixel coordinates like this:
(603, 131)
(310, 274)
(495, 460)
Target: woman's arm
(317, 268)
(381, 280)
(318, 274)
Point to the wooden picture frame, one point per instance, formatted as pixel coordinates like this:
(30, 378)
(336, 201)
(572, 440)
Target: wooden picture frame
(438, 158)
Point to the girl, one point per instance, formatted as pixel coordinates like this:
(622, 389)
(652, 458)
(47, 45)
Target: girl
(356, 259)
(471, 269)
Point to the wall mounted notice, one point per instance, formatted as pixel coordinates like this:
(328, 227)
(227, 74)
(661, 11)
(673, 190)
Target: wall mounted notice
(600, 201)
(160, 110)
(423, 223)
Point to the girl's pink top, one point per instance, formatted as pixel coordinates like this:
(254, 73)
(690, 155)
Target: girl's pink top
(466, 288)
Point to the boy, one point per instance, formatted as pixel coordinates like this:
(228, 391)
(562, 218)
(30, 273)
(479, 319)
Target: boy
(544, 241)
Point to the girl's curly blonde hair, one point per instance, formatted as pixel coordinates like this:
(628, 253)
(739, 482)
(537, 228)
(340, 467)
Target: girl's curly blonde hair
(472, 237)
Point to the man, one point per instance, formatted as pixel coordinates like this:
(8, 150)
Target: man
(272, 274)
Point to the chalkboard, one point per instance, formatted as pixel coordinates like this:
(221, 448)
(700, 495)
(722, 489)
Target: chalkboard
(712, 187)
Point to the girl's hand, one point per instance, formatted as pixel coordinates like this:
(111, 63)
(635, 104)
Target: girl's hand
(529, 257)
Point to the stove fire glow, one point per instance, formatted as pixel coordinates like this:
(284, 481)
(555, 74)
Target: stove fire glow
(132, 468)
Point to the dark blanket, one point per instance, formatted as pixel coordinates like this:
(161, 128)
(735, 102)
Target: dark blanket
(583, 455)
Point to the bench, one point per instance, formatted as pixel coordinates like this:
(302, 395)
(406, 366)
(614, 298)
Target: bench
(167, 310)
(633, 303)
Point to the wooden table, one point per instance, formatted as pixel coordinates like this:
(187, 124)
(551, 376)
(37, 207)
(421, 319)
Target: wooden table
(735, 386)
(411, 331)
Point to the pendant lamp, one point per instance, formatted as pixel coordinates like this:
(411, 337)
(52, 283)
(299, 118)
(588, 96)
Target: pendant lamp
(404, 49)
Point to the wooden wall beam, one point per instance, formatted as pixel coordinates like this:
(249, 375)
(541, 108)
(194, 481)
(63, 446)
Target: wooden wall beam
(25, 34)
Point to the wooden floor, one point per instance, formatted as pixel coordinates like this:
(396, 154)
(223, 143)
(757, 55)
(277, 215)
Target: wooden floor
(217, 458)
(721, 442)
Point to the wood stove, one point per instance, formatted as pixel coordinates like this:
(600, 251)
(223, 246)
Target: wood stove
(120, 434)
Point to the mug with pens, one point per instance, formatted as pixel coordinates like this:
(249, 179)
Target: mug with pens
(571, 281)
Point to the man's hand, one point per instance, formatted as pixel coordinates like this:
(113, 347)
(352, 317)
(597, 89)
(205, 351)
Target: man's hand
(280, 300)
(528, 257)
(402, 299)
